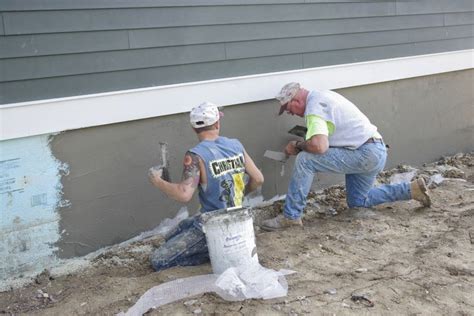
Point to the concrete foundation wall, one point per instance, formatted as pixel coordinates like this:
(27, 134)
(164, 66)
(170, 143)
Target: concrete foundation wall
(112, 200)
(109, 198)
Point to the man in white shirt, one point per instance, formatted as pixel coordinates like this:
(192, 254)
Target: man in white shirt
(340, 139)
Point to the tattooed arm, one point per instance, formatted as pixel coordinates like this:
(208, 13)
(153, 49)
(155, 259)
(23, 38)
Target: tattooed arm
(184, 190)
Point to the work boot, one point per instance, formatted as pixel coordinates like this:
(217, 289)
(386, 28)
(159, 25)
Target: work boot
(419, 192)
(280, 222)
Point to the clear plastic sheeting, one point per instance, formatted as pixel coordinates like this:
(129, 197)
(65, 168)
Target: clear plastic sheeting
(403, 177)
(172, 291)
(234, 284)
(237, 284)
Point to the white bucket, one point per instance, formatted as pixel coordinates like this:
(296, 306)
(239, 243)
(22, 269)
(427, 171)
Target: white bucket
(230, 239)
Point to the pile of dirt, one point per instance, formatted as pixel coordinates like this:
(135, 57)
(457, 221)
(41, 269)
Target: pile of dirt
(397, 258)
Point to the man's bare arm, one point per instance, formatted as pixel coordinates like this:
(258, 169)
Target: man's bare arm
(183, 191)
(317, 144)
(255, 175)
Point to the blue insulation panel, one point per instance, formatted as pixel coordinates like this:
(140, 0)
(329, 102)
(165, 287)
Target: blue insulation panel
(30, 194)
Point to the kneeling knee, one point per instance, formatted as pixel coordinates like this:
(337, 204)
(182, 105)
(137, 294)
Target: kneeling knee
(160, 259)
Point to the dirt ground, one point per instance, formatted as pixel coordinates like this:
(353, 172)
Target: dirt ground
(405, 259)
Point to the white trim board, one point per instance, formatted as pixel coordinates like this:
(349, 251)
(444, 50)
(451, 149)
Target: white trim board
(56, 115)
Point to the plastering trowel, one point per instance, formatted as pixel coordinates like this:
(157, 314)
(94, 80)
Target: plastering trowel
(298, 130)
(276, 155)
(164, 162)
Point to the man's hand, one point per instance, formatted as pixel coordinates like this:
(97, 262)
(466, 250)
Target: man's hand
(291, 149)
(154, 175)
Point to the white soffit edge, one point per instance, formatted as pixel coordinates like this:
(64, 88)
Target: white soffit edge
(56, 115)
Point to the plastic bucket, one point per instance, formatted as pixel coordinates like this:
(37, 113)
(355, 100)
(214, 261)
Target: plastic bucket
(230, 239)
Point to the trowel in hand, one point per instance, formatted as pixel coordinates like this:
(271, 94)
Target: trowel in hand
(164, 162)
(276, 155)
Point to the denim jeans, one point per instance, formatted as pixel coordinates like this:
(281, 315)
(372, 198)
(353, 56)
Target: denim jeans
(185, 246)
(360, 167)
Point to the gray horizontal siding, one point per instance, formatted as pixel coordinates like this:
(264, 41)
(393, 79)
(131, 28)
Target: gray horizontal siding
(28, 5)
(74, 64)
(262, 31)
(62, 48)
(459, 18)
(62, 43)
(17, 91)
(78, 42)
(433, 6)
(51, 66)
(56, 87)
(382, 52)
(113, 19)
(334, 42)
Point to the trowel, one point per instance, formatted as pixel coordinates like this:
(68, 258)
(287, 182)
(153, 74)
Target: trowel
(164, 162)
(276, 155)
(298, 130)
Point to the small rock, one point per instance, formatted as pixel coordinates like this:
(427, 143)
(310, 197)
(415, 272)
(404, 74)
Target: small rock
(197, 311)
(332, 211)
(83, 304)
(330, 291)
(276, 307)
(190, 302)
(361, 270)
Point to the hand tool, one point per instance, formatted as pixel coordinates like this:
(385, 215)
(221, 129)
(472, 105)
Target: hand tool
(276, 155)
(298, 130)
(164, 162)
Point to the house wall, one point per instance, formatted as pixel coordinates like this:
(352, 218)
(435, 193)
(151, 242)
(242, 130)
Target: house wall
(51, 49)
(73, 170)
(110, 196)
(65, 195)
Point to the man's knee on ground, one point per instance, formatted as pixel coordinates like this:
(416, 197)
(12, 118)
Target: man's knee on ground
(160, 258)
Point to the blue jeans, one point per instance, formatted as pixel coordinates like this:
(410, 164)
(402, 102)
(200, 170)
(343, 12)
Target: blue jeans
(360, 167)
(185, 246)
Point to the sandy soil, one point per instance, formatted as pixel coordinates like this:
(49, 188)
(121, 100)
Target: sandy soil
(404, 258)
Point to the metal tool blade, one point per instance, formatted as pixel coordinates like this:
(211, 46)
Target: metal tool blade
(298, 130)
(164, 161)
(276, 155)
